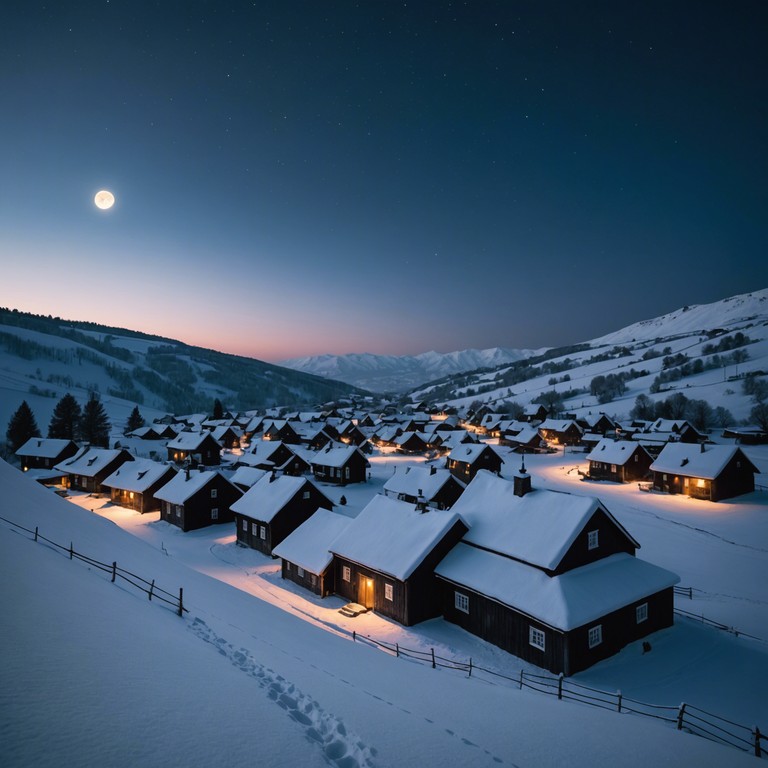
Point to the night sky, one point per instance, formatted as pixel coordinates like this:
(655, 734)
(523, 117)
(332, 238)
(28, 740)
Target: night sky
(298, 178)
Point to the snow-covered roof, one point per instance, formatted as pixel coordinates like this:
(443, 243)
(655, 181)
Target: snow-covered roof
(309, 545)
(188, 441)
(43, 447)
(219, 432)
(185, 485)
(537, 528)
(136, 475)
(613, 451)
(90, 461)
(565, 602)
(688, 459)
(559, 425)
(264, 499)
(418, 481)
(469, 452)
(393, 537)
(335, 455)
(247, 476)
(525, 435)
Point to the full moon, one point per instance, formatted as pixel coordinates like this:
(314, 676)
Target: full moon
(104, 199)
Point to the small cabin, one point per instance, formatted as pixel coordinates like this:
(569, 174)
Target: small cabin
(466, 460)
(340, 464)
(87, 470)
(621, 461)
(134, 484)
(194, 449)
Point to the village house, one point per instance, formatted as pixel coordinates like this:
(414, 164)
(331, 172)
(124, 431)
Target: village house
(550, 576)
(45, 452)
(340, 464)
(246, 477)
(274, 454)
(281, 429)
(193, 449)
(86, 471)
(534, 413)
(599, 423)
(412, 443)
(197, 498)
(425, 485)
(465, 461)
(561, 431)
(274, 507)
(711, 472)
(135, 484)
(523, 438)
(227, 436)
(622, 461)
(384, 561)
(305, 552)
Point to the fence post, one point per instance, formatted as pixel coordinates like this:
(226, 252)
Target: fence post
(618, 693)
(470, 666)
(397, 650)
(70, 550)
(35, 533)
(151, 589)
(560, 686)
(680, 715)
(433, 657)
(181, 601)
(521, 679)
(354, 636)
(114, 571)
(758, 736)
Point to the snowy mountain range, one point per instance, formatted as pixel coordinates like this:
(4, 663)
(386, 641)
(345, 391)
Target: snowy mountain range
(399, 373)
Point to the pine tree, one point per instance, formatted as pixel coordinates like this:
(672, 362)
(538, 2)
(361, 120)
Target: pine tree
(65, 419)
(218, 409)
(21, 427)
(94, 425)
(135, 420)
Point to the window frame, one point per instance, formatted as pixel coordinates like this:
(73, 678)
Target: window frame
(537, 638)
(593, 539)
(641, 613)
(389, 592)
(595, 636)
(346, 573)
(461, 602)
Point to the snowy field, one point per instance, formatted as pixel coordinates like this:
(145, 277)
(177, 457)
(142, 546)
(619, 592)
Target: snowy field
(260, 671)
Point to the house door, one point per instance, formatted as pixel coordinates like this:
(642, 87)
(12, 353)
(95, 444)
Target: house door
(365, 591)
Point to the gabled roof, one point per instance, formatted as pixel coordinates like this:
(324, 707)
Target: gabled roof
(247, 476)
(189, 441)
(565, 602)
(559, 425)
(269, 495)
(416, 481)
(469, 452)
(538, 528)
(393, 537)
(614, 451)
(43, 447)
(137, 475)
(689, 460)
(309, 545)
(336, 455)
(90, 461)
(186, 484)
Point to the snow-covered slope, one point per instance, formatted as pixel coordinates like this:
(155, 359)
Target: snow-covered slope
(398, 373)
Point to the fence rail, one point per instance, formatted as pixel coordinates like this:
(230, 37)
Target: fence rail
(684, 717)
(176, 601)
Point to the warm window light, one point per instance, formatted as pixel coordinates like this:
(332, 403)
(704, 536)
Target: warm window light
(700, 483)
(130, 495)
(369, 582)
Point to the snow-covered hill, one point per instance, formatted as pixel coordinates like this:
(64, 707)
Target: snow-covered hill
(398, 373)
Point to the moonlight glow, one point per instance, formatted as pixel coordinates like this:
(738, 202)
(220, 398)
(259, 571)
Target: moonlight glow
(104, 199)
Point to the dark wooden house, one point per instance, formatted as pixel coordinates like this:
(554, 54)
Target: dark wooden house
(194, 449)
(197, 498)
(305, 553)
(622, 461)
(711, 472)
(87, 470)
(45, 452)
(274, 454)
(561, 431)
(227, 436)
(426, 485)
(385, 559)
(412, 443)
(274, 507)
(135, 484)
(340, 464)
(550, 577)
(465, 461)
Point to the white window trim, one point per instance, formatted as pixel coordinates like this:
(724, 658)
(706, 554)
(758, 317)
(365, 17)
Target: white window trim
(388, 592)
(214, 493)
(215, 513)
(461, 602)
(641, 613)
(245, 525)
(263, 532)
(593, 539)
(595, 635)
(537, 638)
(300, 571)
(346, 573)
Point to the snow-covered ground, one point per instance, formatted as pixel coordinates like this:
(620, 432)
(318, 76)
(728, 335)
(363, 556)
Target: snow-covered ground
(261, 671)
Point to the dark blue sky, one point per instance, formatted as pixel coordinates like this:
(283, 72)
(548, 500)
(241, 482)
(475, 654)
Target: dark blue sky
(305, 177)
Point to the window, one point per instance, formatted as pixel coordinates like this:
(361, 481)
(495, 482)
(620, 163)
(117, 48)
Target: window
(536, 638)
(313, 579)
(636, 457)
(214, 492)
(346, 573)
(613, 467)
(641, 613)
(300, 571)
(595, 635)
(215, 513)
(592, 540)
(254, 529)
(346, 472)
(178, 511)
(388, 592)
(287, 566)
(263, 532)
(700, 483)
(245, 525)
(461, 602)
(306, 495)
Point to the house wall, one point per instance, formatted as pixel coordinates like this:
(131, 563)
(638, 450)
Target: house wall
(315, 583)
(196, 511)
(611, 540)
(635, 468)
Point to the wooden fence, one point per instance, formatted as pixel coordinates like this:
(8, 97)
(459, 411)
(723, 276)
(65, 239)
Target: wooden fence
(148, 587)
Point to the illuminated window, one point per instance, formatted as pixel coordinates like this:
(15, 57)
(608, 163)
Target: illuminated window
(388, 592)
(613, 467)
(346, 573)
(461, 602)
(593, 539)
(700, 483)
(641, 613)
(595, 635)
(536, 638)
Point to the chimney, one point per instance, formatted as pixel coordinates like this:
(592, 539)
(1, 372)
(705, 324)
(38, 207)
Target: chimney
(186, 474)
(273, 476)
(432, 470)
(702, 446)
(521, 481)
